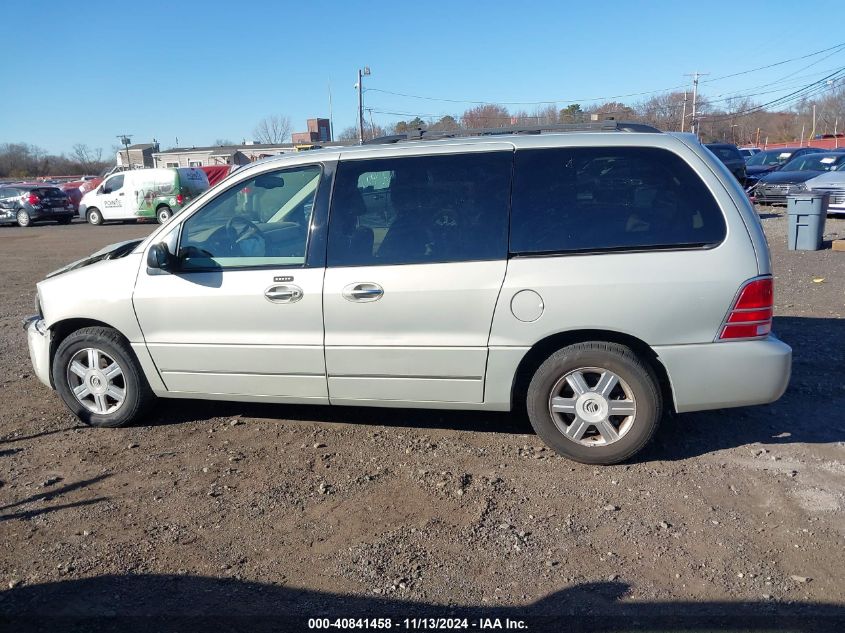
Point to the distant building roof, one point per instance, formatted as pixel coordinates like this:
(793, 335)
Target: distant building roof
(143, 146)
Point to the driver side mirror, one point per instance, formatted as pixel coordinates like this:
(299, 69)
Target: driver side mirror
(160, 258)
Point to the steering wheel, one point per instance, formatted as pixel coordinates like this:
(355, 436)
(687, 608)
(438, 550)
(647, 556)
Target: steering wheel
(240, 228)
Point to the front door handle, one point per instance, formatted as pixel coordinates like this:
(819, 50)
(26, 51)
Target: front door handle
(283, 294)
(363, 292)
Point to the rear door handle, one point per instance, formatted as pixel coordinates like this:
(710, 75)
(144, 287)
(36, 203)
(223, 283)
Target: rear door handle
(283, 294)
(363, 292)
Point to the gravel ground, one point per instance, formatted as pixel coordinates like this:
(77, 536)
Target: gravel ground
(730, 518)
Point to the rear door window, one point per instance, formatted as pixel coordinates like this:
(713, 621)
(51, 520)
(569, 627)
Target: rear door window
(420, 209)
(571, 200)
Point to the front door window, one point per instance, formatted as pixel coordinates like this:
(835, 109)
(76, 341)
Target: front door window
(262, 221)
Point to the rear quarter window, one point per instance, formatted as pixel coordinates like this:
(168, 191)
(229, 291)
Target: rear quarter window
(571, 200)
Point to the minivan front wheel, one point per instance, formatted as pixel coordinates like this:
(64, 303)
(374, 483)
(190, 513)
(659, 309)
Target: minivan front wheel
(99, 379)
(594, 402)
(94, 217)
(163, 214)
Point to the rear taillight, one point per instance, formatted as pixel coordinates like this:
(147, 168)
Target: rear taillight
(34, 199)
(751, 314)
(180, 199)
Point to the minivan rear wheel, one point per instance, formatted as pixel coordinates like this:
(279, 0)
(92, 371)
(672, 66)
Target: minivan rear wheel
(99, 379)
(163, 214)
(94, 217)
(595, 402)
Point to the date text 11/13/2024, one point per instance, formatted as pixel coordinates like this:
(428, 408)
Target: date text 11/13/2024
(417, 624)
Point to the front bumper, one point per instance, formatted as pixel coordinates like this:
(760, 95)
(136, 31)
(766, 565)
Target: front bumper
(38, 340)
(836, 200)
(773, 200)
(727, 374)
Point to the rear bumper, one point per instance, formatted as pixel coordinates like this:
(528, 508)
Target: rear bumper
(729, 374)
(38, 341)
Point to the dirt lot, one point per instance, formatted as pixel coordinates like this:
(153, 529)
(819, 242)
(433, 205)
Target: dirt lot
(731, 518)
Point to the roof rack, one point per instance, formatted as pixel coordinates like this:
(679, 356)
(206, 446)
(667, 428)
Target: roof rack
(609, 125)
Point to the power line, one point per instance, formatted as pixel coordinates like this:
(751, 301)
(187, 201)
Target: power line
(803, 92)
(837, 49)
(781, 63)
(809, 90)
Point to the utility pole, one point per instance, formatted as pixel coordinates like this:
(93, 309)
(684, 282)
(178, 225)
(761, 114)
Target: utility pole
(694, 121)
(362, 72)
(331, 118)
(684, 112)
(813, 133)
(126, 139)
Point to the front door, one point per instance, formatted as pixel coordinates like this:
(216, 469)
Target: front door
(112, 200)
(417, 255)
(241, 316)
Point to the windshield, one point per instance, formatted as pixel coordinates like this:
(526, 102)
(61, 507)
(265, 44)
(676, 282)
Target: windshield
(773, 157)
(725, 152)
(814, 162)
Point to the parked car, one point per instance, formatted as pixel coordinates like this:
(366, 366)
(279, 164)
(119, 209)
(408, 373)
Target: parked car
(832, 183)
(25, 204)
(730, 156)
(748, 152)
(596, 279)
(216, 173)
(73, 192)
(772, 160)
(143, 193)
(773, 187)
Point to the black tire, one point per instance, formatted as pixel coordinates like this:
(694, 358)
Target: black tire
(65, 219)
(635, 377)
(109, 343)
(94, 216)
(23, 218)
(163, 214)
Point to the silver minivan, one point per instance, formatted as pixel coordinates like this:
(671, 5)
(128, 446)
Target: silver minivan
(596, 278)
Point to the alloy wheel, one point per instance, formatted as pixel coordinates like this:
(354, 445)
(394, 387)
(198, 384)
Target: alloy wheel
(592, 406)
(96, 381)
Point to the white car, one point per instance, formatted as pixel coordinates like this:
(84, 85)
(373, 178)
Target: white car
(595, 278)
(832, 183)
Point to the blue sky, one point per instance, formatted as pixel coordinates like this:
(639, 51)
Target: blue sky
(199, 71)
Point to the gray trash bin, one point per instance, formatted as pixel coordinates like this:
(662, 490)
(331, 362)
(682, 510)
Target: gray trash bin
(806, 212)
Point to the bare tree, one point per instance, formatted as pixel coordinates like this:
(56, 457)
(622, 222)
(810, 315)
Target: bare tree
(222, 141)
(274, 128)
(370, 132)
(490, 115)
(90, 160)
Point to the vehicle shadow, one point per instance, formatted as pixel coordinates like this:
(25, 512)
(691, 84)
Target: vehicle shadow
(818, 366)
(180, 411)
(165, 603)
